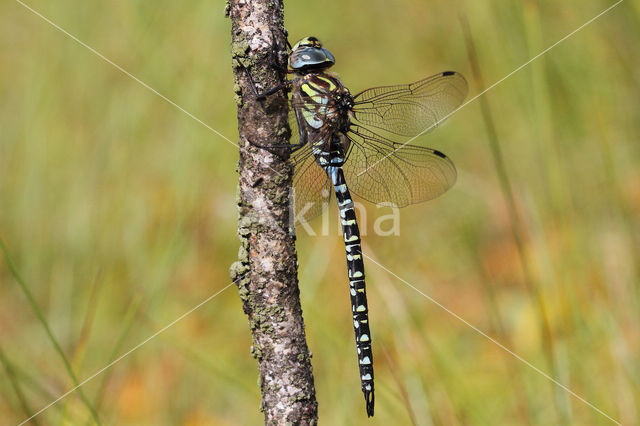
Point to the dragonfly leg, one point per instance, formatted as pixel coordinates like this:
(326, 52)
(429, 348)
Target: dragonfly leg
(263, 95)
(276, 149)
(273, 63)
(291, 148)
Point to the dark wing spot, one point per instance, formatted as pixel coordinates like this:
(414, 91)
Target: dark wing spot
(439, 154)
(446, 73)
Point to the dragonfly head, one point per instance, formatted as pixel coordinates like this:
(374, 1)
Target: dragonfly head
(309, 55)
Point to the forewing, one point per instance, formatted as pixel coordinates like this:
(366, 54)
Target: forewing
(380, 170)
(408, 110)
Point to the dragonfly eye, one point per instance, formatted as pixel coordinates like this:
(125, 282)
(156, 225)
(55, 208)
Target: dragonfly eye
(309, 55)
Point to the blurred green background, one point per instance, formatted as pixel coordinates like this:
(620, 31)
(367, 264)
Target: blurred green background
(119, 212)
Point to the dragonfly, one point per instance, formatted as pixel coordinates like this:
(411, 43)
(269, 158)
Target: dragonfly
(359, 143)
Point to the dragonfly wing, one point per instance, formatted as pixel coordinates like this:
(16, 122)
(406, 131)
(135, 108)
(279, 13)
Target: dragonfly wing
(381, 170)
(408, 110)
(311, 186)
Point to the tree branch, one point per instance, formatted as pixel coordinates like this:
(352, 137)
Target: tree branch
(266, 270)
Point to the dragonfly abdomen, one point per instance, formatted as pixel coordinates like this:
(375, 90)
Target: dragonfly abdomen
(357, 287)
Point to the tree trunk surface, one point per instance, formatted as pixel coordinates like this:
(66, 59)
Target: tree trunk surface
(266, 270)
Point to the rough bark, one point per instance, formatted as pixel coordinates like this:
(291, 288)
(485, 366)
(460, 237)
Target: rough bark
(266, 270)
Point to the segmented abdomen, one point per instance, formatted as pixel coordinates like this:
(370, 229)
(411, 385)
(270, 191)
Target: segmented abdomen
(357, 288)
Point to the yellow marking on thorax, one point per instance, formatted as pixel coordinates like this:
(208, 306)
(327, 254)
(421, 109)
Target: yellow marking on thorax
(332, 86)
(309, 90)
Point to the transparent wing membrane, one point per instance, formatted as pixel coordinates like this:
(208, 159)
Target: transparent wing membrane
(311, 186)
(410, 109)
(379, 167)
(380, 170)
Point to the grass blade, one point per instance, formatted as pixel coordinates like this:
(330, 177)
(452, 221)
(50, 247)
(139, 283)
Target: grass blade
(516, 227)
(16, 387)
(45, 325)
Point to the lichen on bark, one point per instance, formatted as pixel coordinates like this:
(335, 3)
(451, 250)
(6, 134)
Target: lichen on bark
(266, 269)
